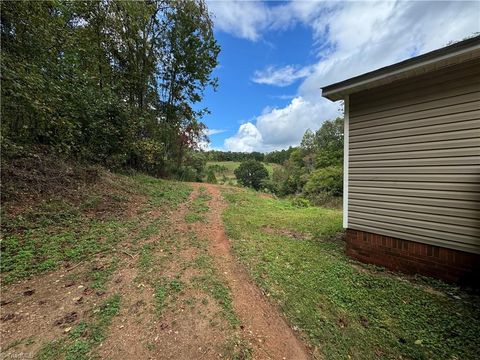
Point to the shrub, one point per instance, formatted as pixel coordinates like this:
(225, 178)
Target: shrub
(211, 178)
(328, 180)
(270, 186)
(251, 173)
(300, 202)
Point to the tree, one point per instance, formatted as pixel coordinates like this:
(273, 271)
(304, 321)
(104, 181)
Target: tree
(308, 141)
(111, 82)
(250, 173)
(327, 180)
(329, 144)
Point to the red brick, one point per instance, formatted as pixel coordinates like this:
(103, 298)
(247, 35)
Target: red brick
(413, 257)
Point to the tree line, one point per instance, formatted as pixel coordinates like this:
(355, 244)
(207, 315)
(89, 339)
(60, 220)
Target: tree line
(276, 157)
(312, 172)
(109, 82)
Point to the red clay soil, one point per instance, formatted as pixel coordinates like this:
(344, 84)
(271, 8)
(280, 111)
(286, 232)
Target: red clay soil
(263, 325)
(47, 306)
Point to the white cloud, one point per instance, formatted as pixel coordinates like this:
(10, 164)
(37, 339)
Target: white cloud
(280, 76)
(279, 128)
(348, 38)
(247, 139)
(210, 132)
(244, 19)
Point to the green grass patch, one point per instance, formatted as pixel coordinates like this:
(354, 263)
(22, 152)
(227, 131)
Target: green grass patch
(238, 349)
(348, 310)
(56, 231)
(198, 208)
(146, 257)
(162, 192)
(99, 275)
(166, 291)
(210, 282)
(81, 341)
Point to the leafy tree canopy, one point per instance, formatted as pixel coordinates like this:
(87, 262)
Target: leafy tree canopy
(112, 82)
(251, 173)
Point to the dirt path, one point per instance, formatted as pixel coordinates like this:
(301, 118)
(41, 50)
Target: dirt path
(263, 326)
(181, 293)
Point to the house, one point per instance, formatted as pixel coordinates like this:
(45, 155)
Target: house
(412, 163)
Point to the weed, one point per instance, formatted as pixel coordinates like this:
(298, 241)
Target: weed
(146, 257)
(100, 275)
(55, 231)
(238, 349)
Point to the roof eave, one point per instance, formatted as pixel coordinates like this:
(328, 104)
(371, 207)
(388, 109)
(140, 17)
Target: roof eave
(451, 55)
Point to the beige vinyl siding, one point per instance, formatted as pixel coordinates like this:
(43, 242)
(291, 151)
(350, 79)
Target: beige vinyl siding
(414, 159)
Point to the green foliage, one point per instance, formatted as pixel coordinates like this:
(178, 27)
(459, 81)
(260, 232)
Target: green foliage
(279, 156)
(329, 144)
(251, 173)
(165, 289)
(198, 207)
(114, 83)
(224, 170)
(314, 168)
(211, 178)
(328, 180)
(216, 155)
(346, 309)
(300, 202)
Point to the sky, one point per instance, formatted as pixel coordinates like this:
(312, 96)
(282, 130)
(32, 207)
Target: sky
(275, 56)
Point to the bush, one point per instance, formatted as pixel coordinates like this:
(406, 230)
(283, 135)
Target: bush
(211, 178)
(300, 202)
(186, 173)
(327, 180)
(270, 186)
(250, 173)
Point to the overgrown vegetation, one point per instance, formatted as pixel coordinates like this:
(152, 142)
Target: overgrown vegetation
(314, 170)
(108, 82)
(346, 309)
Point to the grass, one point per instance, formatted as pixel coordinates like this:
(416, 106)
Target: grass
(161, 192)
(211, 283)
(82, 339)
(238, 349)
(198, 207)
(346, 309)
(230, 167)
(57, 231)
(166, 290)
(99, 274)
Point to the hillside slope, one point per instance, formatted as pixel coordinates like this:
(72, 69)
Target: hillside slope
(103, 265)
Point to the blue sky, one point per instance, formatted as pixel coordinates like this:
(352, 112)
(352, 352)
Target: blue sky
(275, 56)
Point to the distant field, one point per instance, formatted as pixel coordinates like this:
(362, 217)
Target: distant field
(230, 168)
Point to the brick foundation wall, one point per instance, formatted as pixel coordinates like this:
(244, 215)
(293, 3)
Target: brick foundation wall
(414, 258)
